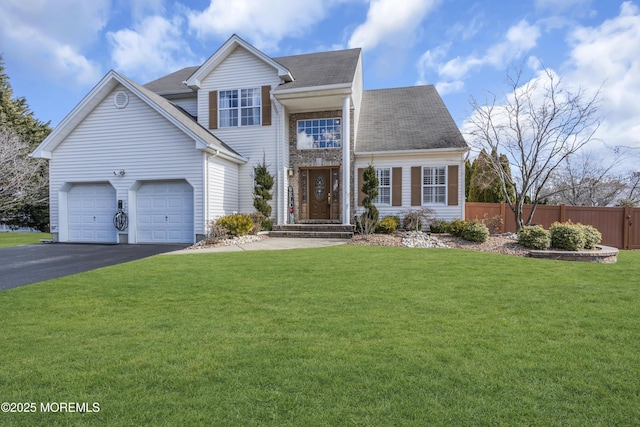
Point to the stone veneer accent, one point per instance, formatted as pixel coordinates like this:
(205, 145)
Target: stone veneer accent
(322, 157)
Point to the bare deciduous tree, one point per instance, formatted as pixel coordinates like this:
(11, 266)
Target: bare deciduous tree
(583, 180)
(540, 124)
(21, 179)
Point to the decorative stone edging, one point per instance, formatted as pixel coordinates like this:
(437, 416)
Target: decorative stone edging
(603, 254)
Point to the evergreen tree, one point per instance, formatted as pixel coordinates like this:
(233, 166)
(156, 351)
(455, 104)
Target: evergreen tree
(485, 185)
(369, 218)
(468, 172)
(262, 188)
(15, 114)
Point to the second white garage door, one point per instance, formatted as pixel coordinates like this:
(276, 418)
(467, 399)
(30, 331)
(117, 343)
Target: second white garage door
(165, 212)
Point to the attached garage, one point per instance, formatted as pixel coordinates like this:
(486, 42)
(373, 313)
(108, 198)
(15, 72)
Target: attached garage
(90, 213)
(165, 212)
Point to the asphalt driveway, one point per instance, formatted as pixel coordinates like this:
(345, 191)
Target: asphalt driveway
(23, 265)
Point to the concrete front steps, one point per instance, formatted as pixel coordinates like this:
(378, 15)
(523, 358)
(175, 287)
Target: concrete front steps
(318, 231)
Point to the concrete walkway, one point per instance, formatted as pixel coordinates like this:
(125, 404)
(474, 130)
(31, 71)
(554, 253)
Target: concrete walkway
(268, 244)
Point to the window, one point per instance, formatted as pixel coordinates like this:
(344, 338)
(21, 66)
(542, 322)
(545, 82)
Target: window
(384, 186)
(239, 107)
(319, 133)
(434, 185)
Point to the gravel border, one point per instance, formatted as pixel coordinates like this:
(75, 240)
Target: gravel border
(501, 244)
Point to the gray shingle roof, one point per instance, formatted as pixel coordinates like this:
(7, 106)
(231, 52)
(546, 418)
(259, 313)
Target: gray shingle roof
(409, 118)
(320, 69)
(172, 82)
(308, 70)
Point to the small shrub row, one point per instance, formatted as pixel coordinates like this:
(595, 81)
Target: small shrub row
(567, 236)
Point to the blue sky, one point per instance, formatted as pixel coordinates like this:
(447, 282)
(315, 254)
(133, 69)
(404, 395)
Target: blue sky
(55, 51)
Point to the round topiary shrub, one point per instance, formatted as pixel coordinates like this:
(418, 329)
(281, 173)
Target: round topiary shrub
(238, 224)
(475, 232)
(592, 237)
(388, 224)
(534, 237)
(567, 236)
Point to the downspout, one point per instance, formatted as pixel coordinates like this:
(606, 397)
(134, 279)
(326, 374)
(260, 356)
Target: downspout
(279, 179)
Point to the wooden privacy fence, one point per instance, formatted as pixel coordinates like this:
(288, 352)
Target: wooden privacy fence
(620, 226)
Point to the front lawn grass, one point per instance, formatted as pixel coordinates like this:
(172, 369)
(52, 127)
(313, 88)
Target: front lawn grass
(19, 239)
(334, 336)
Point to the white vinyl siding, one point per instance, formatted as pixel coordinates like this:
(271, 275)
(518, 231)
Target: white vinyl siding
(222, 186)
(406, 162)
(136, 139)
(243, 70)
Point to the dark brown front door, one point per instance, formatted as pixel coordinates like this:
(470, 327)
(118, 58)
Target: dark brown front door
(319, 194)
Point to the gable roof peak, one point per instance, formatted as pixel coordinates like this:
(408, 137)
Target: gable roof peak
(224, 51)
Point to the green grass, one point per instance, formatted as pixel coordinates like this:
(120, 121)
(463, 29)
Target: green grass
(19, 239)
(345, 335)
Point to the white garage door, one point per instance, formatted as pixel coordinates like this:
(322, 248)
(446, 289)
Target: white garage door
(165, 212)
(90, 213)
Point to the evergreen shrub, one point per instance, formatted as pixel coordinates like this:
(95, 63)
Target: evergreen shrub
(475, 232)
(567, 236)
(388, 224)
(238, 224)
(534, 237)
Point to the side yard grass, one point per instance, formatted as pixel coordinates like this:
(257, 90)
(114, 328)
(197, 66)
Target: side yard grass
(19, 239)
(344, 335)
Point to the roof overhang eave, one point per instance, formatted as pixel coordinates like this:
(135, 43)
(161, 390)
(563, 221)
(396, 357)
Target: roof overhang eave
(460, 150)
(339, 88)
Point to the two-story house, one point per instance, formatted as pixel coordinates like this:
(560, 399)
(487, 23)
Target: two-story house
(179, 152)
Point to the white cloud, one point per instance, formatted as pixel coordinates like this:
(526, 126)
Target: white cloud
(52, 34)
(390, 22)
(607, 56)
(519, 40)
(262, 23)
(155, 46)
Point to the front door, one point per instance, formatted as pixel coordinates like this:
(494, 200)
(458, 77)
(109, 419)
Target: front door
(320, 194)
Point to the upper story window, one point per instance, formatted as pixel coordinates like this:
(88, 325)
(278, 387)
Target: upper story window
(434, 185)
(384, 186)
(319, 133)
(239, 107)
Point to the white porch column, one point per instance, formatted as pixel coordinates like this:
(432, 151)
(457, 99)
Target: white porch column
(346, 160)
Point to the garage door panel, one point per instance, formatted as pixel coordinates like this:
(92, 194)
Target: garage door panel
(165, 212)
(90, 209)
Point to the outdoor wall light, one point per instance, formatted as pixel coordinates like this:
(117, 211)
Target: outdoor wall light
(290, 172)
(119, 173)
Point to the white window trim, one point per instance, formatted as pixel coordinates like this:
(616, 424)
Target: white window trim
(239, 108)
(390, 186)
(445, 185)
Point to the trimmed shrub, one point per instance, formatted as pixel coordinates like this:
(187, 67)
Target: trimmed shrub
(238, 224)
(216, 233)
(534, 237)
(567, 236)
(475, 232)
(439, 226)
(456, 226)
(592, 237)
(388, 224)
